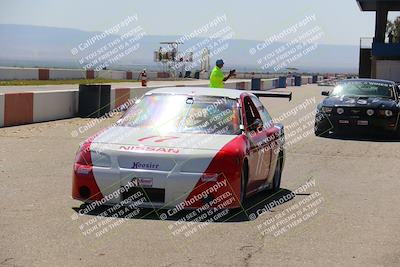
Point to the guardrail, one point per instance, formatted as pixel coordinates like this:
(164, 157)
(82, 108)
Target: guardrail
(32, 107)
(7, 74)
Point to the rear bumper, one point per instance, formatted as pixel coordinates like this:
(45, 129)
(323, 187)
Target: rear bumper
(176, 191)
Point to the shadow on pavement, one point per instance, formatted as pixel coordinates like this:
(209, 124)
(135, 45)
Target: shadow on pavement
(253, 205)
(369, 137)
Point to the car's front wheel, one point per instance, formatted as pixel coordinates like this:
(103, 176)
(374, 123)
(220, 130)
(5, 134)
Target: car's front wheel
(317, 130)
(397, 134)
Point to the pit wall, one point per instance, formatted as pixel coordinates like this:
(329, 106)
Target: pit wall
(7, 74)
(10, 73)
(32, 107)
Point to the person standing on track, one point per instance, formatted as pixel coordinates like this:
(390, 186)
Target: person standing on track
(217, 77)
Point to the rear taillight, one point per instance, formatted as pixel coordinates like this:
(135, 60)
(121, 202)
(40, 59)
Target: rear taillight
(83, 156)
(84, 186)
(224, 162)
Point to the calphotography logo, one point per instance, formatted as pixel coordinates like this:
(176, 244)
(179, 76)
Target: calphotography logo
(200, 51)
(282, 50)
(113, 45)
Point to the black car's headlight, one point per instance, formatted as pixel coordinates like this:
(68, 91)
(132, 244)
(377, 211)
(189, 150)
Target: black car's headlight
(386, 112)
(326, 109)
(340, 111)
(370, 112)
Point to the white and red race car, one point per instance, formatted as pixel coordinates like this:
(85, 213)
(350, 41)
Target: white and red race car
(184, 147)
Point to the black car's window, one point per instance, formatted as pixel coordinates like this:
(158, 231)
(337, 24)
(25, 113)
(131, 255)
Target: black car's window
(364, 88)
(265, 117)
(184, 114)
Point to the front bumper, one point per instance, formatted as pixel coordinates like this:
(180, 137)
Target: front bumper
(335, 122)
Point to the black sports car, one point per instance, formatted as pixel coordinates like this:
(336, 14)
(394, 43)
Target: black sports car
(364, 105)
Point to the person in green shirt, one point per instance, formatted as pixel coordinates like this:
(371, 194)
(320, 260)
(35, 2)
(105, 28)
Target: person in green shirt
(217, 77)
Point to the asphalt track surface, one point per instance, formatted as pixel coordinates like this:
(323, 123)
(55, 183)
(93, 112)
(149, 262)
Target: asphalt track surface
(62, 87)
(352, 219)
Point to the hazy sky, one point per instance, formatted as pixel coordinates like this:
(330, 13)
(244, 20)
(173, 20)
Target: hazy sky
(341, 20)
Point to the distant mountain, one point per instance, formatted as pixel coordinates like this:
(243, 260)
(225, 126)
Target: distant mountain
(32, 46)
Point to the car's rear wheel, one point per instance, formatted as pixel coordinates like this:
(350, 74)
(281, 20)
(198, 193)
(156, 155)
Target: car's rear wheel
(243, 184)
(276, 183)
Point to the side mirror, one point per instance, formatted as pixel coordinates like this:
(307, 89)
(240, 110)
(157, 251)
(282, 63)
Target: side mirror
(256, 125)
(325, 93)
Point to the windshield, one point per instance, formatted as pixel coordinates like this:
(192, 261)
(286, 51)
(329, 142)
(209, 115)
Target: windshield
(184, 114)
(364, 88)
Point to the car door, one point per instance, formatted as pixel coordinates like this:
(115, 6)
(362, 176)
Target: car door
(272, 136)
(258, 161)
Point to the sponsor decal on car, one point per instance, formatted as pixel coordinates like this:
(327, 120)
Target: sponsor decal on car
(150, 149)
(145, 165)
(142, 182)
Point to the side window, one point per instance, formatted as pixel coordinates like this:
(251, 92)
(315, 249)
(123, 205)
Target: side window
(265, 117)
(251, 111)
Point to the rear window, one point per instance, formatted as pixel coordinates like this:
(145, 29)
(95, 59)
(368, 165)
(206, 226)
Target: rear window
(184, 114)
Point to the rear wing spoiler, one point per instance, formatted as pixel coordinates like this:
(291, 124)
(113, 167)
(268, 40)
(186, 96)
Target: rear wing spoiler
(272, 94)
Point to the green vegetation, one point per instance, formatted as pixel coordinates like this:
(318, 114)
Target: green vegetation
(56, 82)
(394, 29)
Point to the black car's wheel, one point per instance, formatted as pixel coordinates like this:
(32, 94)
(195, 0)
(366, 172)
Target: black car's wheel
(276, 183)
(319, 132)
(397, 132)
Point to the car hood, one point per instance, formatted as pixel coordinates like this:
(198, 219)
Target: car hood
(371, 102)
(129, 138)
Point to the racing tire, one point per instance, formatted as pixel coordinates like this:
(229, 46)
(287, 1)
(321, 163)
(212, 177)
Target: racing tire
(276, 182)
(243, 184)
(397, 134)
(319, 132)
